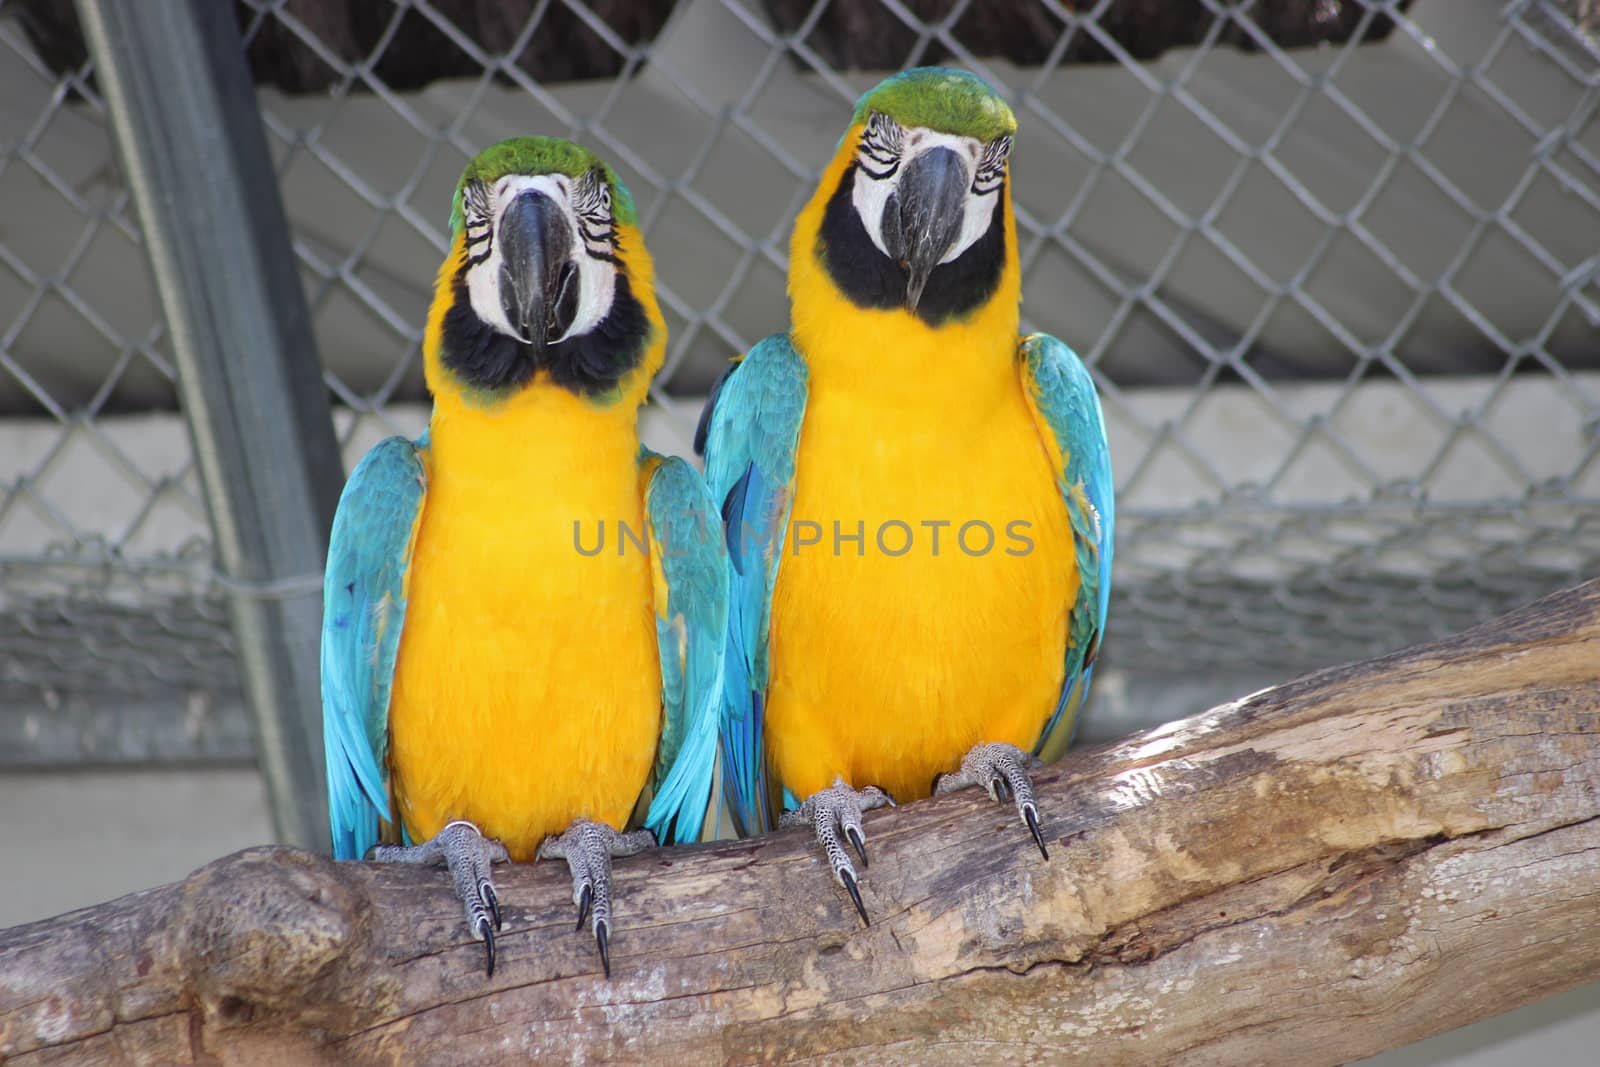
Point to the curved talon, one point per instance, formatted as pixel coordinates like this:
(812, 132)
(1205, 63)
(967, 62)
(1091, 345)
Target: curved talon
(835, 813)
(999, 789)
(588, 847)
(849, 882)
(485, 933)
(854, 836)
(492, 899)
(585, 898)
(1002, 769)
(1030, 815)
(874, 796)
(469, 856)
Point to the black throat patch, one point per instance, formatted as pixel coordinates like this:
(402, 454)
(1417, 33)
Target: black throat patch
(872, 280)
(483, 358)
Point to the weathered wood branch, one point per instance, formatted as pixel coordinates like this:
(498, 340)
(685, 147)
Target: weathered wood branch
(1336, 866)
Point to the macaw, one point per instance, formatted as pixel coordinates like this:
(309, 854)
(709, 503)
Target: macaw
(918, 502)
(493, 674)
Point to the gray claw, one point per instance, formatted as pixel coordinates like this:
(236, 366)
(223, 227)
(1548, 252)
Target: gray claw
(1031, 815)
(1002, 769)
(835, 812)
(462, 848)
(602, 937)
(588, 847)
(855, 896)
(486, 934)
(854, 834)
(491, 898)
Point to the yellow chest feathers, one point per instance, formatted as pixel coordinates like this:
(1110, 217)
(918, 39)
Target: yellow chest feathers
(921, 605)
(528, 688)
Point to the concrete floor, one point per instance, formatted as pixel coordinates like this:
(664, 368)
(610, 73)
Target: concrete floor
(77, 839)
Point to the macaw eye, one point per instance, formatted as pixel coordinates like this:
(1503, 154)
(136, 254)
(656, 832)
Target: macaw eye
(475, 200)
(479, 221)
(591, 200)
(991, 166)
(881, 145)
(591, 197)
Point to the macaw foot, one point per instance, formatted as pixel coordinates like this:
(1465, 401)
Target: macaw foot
(588, 847)
(835, 812)
(1000, 768)
(463, 848)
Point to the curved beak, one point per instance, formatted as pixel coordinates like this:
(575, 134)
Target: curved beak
(538, 280)
(922, 217)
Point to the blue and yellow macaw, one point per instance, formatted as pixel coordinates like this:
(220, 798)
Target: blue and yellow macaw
(493, 671)
(918, 503)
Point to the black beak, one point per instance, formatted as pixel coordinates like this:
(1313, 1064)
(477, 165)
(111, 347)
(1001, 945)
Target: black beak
(923, 215)
(538, 280)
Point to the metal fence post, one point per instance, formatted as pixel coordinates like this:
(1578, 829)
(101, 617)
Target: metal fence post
(190, 137)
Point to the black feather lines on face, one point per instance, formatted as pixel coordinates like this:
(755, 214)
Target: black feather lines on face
(589, 364)
(872, 280)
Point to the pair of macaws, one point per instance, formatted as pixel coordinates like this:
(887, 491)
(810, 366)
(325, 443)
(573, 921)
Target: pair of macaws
(893, 577)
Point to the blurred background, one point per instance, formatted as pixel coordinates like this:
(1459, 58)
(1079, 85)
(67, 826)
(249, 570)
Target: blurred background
(1335, 264)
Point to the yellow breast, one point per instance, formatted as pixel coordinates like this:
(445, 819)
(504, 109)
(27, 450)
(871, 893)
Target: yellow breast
(945, 624)
(528, 689)
(892, 656)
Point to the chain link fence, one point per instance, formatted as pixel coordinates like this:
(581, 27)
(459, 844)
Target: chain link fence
(1336, 265)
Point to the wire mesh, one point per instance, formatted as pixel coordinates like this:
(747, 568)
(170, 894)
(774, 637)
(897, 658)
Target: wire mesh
(1336, 266)
(105, 591)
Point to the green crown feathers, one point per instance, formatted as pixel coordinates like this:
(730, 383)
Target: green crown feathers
(540, 155)
(943, 99)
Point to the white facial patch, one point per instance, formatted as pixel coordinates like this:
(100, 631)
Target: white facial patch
(871, 194)
(585, 203)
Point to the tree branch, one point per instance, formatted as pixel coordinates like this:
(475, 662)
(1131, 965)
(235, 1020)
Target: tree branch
(1333, 867)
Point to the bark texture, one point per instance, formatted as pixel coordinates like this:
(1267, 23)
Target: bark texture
(1320, 871)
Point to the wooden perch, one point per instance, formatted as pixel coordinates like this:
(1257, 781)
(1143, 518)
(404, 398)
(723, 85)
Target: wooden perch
(1337, 866)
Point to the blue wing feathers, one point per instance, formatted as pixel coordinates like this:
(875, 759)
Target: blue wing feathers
(752, 432)
(733, 518)
(363, 614)
(703, 427)
(1063, 392)
(691, 632)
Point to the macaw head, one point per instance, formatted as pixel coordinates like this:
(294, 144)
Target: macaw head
(913, 213)
(547, 276)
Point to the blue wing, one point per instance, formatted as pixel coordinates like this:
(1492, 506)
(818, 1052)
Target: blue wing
(691, 602)
(1064, 401)
(752, 429)
(364, 605)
